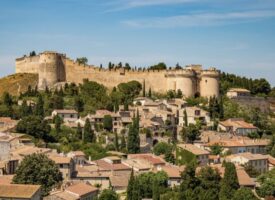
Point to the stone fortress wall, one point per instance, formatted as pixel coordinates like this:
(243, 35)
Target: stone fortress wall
(54, 68)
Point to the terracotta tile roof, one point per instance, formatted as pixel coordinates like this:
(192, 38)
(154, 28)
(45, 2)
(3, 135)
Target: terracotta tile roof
(249, 156)
(78, 153)
(271, 160)
(108, 166)
(152, 159)
(60, 159)
(239, 142)
(6, 138)
(238, 90)
(18, 191)
(120, 181)
(138, 164)
(65, 111)
(81, 189)
(27, 150)
(7, 120)
(102, 113)
(6, 179)
(193, 149)
(243, 177)
(237, 123)
(172, 171)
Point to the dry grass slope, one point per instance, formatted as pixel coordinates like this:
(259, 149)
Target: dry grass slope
(16, 83)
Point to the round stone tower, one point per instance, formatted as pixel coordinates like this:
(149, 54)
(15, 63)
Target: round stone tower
(209, 83)
(183, 80)
(51, 69)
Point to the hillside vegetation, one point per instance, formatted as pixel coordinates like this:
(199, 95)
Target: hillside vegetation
(16, 83)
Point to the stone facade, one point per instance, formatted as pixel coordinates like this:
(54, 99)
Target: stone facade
(54, 68)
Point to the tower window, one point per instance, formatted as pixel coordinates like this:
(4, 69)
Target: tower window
(206, 81)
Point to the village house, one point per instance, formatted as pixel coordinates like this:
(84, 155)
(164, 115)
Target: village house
(237, 126)
(194, 114)
(237, 92)
(201, 155)
(66, 115)
(7, 143)
(173, 172)
(6, 123)
(98, 172)
(240, 144)
(142, 100)
(65, 164)
(78, 157)
(76, 191)
(98, 119)
(258, 161)
(20, 192)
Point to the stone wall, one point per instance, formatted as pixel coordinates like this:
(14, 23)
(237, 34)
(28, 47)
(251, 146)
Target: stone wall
(54, 67)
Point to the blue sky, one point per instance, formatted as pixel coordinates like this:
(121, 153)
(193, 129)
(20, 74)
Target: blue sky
(236, 36)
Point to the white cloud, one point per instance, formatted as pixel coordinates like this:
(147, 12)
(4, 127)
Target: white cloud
(130, 4)
(200, 19)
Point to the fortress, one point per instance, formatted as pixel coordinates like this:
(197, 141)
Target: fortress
(53, 68)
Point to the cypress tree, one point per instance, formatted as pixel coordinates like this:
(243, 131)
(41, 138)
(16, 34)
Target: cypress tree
(133, 143)
(116, 142)
(156, 190)
(143, 89)
(57, 124)
(229, 183)
(24, 110)
(185, 118)
(79, 132)
(39, 109)
(123, 143)
(150, 93)
(88, 135)
(130, 186)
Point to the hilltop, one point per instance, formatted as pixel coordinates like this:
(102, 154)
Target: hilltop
(16, 83)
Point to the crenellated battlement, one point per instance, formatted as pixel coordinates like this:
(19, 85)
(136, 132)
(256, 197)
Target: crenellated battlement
(53, 67)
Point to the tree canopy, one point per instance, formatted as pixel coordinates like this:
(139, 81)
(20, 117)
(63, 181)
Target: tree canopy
(40, 170)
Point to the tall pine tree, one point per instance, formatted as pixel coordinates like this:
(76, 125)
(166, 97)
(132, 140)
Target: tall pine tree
(133, 144)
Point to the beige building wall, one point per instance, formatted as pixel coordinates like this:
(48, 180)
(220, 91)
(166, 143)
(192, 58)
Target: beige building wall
(209, 83)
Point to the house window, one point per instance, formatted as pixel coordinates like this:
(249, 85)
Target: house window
(197, 112)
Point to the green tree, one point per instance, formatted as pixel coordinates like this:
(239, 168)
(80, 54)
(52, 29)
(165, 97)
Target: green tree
(189, 183)
(108, 194)
(156, 190)
(161, 148)
(57, 124)
(82, 60)
(150, 93)
(209, 183)
(143, 89)
(56, 102)
(159, 66)
(123, 143)
(216, 149)
(192, 133)
(79, 132)
(133, 144)
(7, 99)
(79, 104)
(88, 133)
(244, 194)
(116, 142)
(24, 109)
(130, 188)
(251, 171)
(185, 118)
(39, 108)
(267, 184)
(38, 169)
(34, 126)
(108, 122)
(229, 183)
